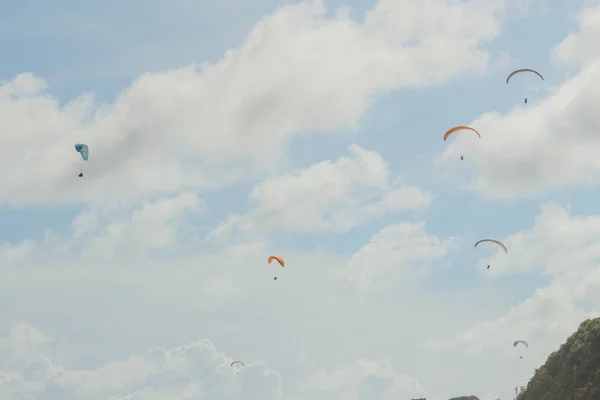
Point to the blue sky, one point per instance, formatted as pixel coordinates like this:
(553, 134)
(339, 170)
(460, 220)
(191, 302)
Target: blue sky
(309, 133)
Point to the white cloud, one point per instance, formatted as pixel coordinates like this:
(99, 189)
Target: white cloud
(558, 244)
(22, 345)
(299, 71)
(543, 146)
(549, 143)
(334, 196)
(563, 247)
(136, 271)
(363, 380)
(154, 225)
(404, 249)
(543, 320)
(100, 233)
(195, 370)
(581, 48)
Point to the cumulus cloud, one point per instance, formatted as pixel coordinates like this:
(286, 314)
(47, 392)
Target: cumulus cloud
(404, 249)
(326, 196)
(581, 47)
(363, 380)
(134, 271)
(153, 225)
(558, 244)
(299, 71)
(563, 247)
(549, 143)
(101, 233)
(195, 370)
(544, 320)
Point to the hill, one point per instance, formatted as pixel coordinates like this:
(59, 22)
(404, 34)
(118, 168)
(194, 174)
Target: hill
(572, 372)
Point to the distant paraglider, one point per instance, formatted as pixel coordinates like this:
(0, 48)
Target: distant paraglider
(237, 362)
(520, 341)
(518, 71)
(456, 129)
(279, 260)
(495, 242)
(84, 150)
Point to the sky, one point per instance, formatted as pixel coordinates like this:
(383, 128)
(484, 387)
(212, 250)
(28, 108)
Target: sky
(224, 132)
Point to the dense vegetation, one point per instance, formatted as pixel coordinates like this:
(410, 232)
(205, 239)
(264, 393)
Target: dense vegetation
(572, 372)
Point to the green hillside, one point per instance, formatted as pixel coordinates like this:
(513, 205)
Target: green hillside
(572, 372)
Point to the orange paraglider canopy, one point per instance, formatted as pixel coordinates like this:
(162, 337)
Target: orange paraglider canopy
(279, 260)
(459, 128)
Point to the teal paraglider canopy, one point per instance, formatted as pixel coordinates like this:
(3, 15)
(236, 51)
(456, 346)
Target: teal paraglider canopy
(83, 150)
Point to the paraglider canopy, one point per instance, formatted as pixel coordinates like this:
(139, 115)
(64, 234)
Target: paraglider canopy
(493, 241)
(278, 259)
(518, 71)
(83, 150)
(460, 128)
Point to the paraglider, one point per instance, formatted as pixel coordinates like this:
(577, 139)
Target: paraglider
(459, 128)
(520, 341)
(84, 151)
(518, 71)
(495, 242)
(237, 362)
(279, 260)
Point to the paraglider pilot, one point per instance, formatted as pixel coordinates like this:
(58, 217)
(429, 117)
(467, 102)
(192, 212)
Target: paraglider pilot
(80, 174)
(525, 100)
(462, 157)
(488, 267)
